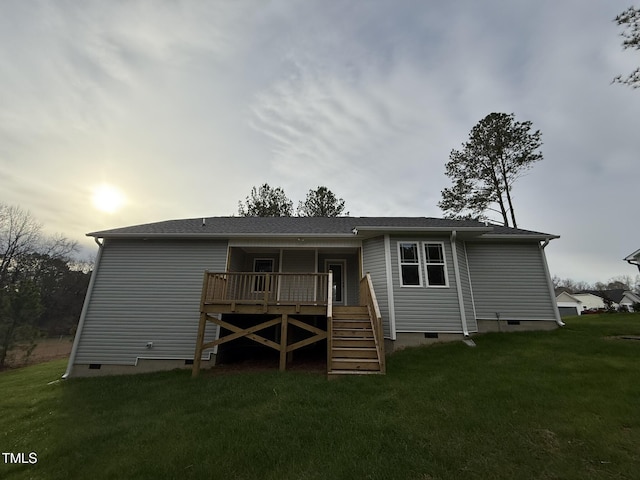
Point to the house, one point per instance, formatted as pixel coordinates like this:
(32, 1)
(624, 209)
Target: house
(590, 300)
(624, 299)
(175, 293)
(602, 299)
(568, 304)
(634, 259)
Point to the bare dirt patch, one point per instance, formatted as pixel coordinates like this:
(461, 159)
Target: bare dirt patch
(268, 361)
(625, 337)
(46, 350)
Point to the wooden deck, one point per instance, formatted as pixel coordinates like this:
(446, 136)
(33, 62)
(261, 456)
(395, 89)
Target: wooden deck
(292, 298)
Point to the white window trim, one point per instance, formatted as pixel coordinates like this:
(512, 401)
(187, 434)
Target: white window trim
(419, 264)
(444, 263)
(272, 260)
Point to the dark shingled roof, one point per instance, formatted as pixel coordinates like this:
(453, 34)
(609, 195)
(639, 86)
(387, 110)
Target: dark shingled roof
(615, 295)
(337, 226)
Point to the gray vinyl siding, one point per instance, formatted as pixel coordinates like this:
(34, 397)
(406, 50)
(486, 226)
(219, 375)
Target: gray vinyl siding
(373, 262)
(425, 309)
(299, 261)
(353, 280)
(509, 279)
(298, 288)
(237, 260)
(147, 291)
(465, 285)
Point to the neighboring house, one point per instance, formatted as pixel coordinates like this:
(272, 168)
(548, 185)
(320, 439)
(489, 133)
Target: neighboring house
(617, 298)
(627, 299)
(634, 259)
(423, 279)
(568, 304)
(590, 300)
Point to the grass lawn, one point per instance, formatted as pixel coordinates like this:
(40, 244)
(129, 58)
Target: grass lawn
(562, 404)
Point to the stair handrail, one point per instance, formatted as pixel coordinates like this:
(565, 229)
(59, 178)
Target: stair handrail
(329, 320)
(370, 300)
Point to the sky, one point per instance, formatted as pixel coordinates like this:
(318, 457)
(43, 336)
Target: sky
(181, 107)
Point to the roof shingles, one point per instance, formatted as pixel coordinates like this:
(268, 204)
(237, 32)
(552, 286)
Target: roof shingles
(338, 226)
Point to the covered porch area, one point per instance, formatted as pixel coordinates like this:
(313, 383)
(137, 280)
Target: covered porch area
(302, 257)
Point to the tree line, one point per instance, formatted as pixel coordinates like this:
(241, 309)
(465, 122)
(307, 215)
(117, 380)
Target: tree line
(267, 201)
(620, 282)
(42, 287)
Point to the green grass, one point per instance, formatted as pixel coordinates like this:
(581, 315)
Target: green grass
(562, 404)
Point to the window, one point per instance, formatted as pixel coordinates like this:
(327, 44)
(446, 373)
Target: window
(436, 266)
(410, 275)
(261, 265)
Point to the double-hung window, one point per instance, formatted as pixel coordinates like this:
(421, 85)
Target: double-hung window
(436, 265)
(410, 271)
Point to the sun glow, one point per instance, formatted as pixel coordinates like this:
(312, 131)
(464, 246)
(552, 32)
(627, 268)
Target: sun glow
(107, 198)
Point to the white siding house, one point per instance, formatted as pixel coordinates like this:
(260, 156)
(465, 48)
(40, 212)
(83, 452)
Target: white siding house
(434, 279)
(590, 301)
(568, 304)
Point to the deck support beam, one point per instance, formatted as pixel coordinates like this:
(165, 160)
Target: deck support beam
(284, 348)
(283, 342)
(197, 357)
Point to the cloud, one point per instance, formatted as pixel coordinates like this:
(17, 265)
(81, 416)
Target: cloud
(185, 105)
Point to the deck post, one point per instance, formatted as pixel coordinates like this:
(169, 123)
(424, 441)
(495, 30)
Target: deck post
(329, 320)
(283, 342)
(199, 342)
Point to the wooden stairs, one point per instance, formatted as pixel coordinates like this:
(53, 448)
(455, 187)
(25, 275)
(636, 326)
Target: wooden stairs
(354, 347)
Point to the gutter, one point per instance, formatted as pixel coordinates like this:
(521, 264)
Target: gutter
(223, 236)
(83, 313)
(373, 228)
(521, 236)
(552, 294)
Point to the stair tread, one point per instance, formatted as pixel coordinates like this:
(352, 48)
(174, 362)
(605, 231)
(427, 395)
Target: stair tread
(354, 372)
(358, 328)
(354, 360)
(353, 348)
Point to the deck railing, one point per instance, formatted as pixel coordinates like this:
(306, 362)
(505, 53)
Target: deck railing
(368, 298)
(266, 288)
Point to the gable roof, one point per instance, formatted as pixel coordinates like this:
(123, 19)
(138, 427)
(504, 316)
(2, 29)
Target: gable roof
(565, 293)
(634, 256)
(311, 226)
(615, 295)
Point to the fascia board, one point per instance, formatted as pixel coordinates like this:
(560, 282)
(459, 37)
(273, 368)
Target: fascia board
(219, 235)
(634, 256)
(519, 236)
(478, 230)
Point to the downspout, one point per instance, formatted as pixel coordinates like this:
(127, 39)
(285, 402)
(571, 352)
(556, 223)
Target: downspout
(85, 308)
(456, 271)
(551, 291)
(390, 292)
